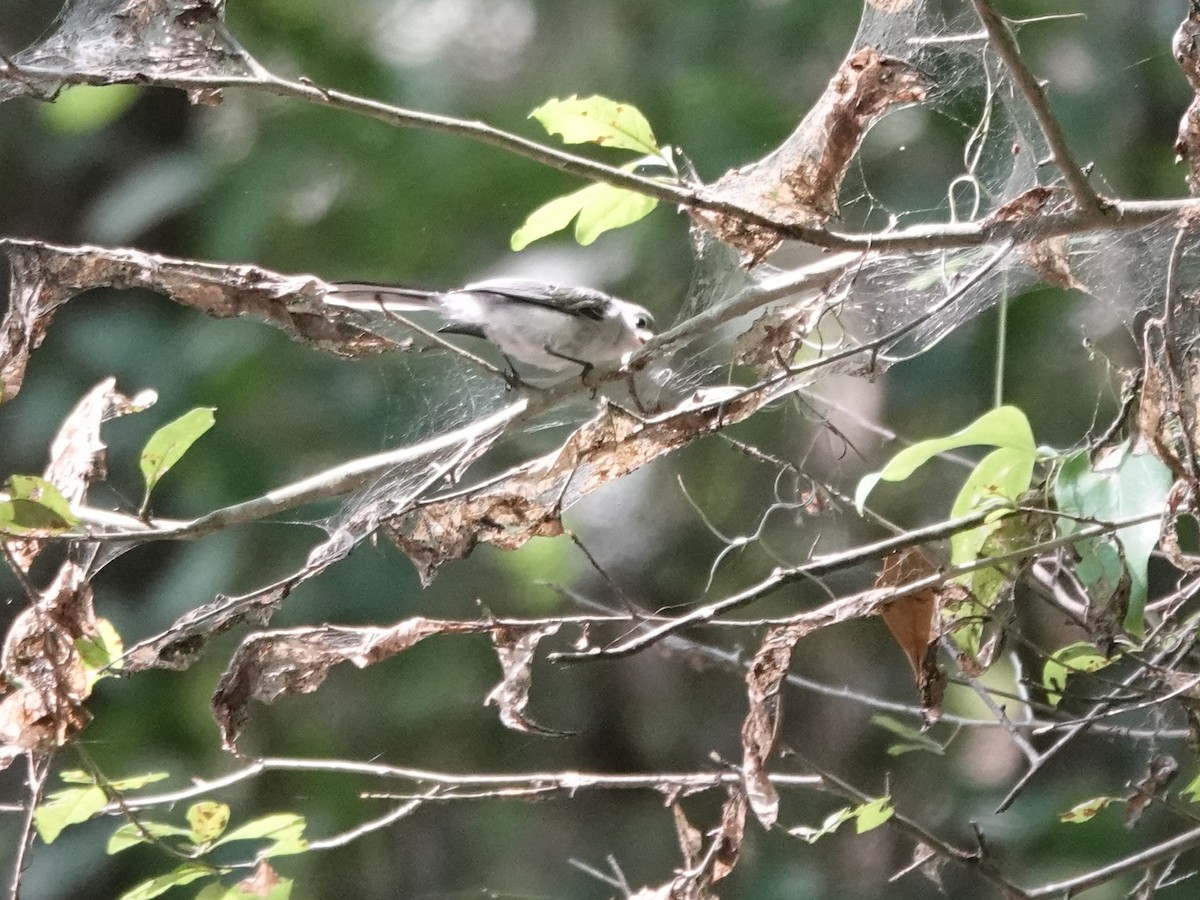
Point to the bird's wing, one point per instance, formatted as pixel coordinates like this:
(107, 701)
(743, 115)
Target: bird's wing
(575, 301)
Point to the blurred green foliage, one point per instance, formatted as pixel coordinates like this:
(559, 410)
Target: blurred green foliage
(298, 188)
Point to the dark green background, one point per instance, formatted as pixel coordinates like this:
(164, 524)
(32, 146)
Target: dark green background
(301, 189)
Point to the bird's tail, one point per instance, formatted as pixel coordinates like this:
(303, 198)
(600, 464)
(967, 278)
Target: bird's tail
(363, 295)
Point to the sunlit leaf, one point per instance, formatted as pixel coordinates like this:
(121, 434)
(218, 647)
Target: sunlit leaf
(285, 830)
(67, 807)
(1087, 810)
(34, 504)
(130, 835)
(1003, 427)
(208, 820)
(872, 815)
(100, 652)
(597, 120)
(1192, 790)
(1072, 659)
(184, 874)
(599, 207)
(168, 445)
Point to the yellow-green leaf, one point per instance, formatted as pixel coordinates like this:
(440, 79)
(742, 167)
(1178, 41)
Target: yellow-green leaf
(1086, 810)
(597, 120)
(67, 807)
(600, 208)
(1005, 426)
(167, 445)
(873, 814)
(285, 830)
(153, 887)
(34, 504)
(208, 820)
(130, 835)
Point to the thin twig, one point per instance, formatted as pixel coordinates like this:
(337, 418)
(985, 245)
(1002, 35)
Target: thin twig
(1086, 199)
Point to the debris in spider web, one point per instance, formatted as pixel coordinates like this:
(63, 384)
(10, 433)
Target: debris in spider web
(45, 668)
(691, 841)
(770, 344)
(912, 619)
(41, 658)
(111, 41)
(179, 646)
(1186, 47)
(45, 276)
(515, 647)
(1049, 258)
(797, 184)
(1158, 778)
(528, 500)
(730, 834)
(270, 664)
(761, 726)
(1181, 501)
(1169, 411)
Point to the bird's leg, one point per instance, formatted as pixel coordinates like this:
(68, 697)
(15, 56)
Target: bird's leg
(584, 376)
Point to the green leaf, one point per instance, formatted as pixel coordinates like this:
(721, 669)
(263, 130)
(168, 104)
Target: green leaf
(1073, 658)
(129, 835)
(1086, 810)
(167, 445)
(101, 652)
(600, 208)
(208, 820)
(1005, 427)
(912, 737)
(597, 120)
(1121, 485)
(830, 825)
(67, 807)
(284, 829)
(869, 815)
(86, 107)
(1192, 791)
(34, 504)
(873, 814)
(134, 782)
(185, 874)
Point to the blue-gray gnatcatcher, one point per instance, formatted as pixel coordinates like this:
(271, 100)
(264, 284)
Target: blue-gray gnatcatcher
(550, 326)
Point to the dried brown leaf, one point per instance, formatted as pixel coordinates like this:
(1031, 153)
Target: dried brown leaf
(912, 620)
(262, 882)
(1158, 778)
(45, 276)
(761, 726)
(1169, 411)
(528, 501)
(1050, 260)
(270, 664)
(797, 184)
(772, 342)
(515, 648)
(691, 841)
(730, 834)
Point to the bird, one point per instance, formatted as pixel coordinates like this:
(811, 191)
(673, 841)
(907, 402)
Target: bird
(551, 327)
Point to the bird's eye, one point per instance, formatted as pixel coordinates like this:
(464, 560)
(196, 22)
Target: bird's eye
(644, 321)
